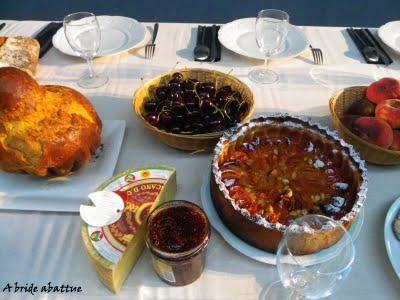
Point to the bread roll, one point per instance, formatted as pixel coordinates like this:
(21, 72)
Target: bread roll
(20, 52)
(44, 130)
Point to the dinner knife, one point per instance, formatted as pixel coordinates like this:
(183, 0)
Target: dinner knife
(45, 37)
(2, 25)
(214, 52)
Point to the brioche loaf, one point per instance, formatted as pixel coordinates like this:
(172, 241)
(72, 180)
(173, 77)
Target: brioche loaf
(44, 130)
(20, 52)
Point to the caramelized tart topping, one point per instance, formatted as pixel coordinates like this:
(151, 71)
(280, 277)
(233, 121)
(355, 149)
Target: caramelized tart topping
(283, 177)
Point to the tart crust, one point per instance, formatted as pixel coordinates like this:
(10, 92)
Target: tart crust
(255, 229)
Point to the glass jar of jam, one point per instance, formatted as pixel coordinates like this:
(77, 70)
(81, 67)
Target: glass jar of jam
(177, 234)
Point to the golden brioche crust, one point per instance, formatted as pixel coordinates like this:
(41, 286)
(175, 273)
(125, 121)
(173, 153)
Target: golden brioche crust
(44, 130)
(21, 52)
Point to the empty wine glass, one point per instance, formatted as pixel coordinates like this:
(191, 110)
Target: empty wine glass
(271, 33)
(82, 31)
(316, 275)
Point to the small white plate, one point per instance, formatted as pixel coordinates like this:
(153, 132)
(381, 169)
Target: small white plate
(391, 242)
(118, 34)
(239, 37)
(390, 35)
(253, 252)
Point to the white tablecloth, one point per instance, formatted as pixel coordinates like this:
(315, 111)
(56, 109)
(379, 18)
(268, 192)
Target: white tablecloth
(40, 247)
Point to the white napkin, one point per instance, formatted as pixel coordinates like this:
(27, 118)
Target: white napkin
(26, 192)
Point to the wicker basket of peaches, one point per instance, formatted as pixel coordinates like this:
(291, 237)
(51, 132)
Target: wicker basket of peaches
(189, 109)
(368, 117)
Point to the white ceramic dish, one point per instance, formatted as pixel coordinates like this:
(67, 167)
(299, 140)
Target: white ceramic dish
(390, 35)
(255, 253)
(118, 34)
(25, 192)
(391, 242)
(239, 37)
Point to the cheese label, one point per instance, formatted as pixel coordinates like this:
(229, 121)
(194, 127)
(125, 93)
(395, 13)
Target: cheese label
(138, 190)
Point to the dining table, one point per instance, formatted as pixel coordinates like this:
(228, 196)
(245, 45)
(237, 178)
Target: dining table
(40, 246)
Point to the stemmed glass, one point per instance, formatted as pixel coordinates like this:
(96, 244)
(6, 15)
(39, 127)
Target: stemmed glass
(312, 276)
(271, 33)
(82, 31)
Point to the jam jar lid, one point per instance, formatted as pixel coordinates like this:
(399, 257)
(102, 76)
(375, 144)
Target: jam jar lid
(177, 229)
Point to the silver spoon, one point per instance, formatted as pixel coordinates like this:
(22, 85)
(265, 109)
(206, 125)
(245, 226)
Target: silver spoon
(371, 53)
(201, 51)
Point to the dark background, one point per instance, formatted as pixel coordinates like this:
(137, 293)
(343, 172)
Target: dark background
(372, 13)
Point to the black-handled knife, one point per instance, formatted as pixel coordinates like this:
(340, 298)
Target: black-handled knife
(2, 25)
(45, 37)
(214, 52)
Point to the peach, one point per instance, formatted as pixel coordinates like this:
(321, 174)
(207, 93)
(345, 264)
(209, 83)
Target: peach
(396, 140)
(374, 131)
(385, 88)
(389, 111)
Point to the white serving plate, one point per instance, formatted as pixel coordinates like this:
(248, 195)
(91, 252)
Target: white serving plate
(390, 35)
(239, 37)
(253, 252)
(118, 34)
(66, 193)
(391, 242)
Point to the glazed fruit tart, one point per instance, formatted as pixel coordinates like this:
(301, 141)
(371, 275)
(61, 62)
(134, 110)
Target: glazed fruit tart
(275, 169)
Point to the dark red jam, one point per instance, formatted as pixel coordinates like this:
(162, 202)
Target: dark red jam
(177, 235)
(178, 229)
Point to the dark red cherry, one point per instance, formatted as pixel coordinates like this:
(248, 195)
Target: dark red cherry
(179, 119)
(232, 107)
(189, 95)
(174, 86)
(189, 85)
(209, 87)
(215, 125)
(175, 129)
(152, 119)
(177, 106)
(178, 77)
(194, 114)
(176, 96)
(162, 93)
(165, 119)
(204, 96)
(191, 105)
(198, 127)
(150, 106)
(206, 106)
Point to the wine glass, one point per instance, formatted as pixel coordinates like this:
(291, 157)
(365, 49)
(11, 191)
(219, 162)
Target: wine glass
(271, 33)
(82, 31)
(315, 275)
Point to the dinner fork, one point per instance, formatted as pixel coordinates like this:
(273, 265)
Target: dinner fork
(151, 47)
(317, 55)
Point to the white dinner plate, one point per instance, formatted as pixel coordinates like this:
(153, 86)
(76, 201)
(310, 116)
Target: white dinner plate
(239, 37)
(253, 252)
(118, 34)
(391, 242)
(390, 35)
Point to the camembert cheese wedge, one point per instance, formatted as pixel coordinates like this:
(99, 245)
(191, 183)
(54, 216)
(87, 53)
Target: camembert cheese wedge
(115, 248)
